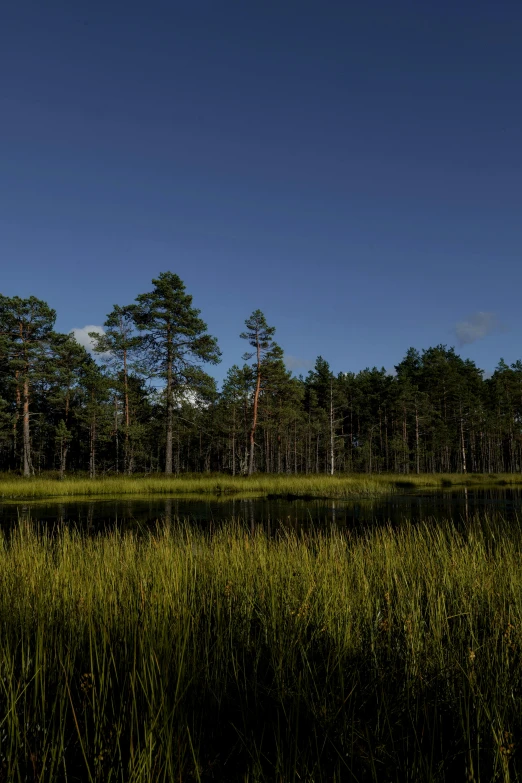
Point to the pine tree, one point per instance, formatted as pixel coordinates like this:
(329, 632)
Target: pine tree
(176, 342)
(120, 346)
(66, 366)
(26, 326)
(95, 412)
(280, 404)
(235, 394)
(266, 351)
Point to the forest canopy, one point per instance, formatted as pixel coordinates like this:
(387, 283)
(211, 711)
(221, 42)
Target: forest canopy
(144, 401)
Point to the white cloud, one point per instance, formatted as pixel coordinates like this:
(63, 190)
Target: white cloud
(295, 363)
(81, 335)
(190, 397)
(477, 326)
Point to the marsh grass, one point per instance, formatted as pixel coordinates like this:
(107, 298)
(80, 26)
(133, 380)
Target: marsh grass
(175, 655)
(341, 486)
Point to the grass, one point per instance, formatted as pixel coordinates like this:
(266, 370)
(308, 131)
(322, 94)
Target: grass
(180, 656)
(341, 486)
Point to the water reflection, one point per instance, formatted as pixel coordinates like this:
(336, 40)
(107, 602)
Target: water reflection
(131, 512)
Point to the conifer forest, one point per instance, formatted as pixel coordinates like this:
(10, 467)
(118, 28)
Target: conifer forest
(144, 401)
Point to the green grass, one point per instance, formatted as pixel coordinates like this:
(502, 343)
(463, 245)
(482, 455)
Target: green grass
(180, 656)
(342, 486)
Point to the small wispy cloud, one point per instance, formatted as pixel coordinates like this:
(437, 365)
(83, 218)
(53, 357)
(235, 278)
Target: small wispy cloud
(477, 326)
(81, 335)
(295, 363)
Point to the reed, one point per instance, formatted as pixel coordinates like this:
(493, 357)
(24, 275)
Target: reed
(341, 486)
(178, 655)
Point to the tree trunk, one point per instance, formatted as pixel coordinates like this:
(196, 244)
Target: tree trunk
(332, 449)
(168, 444)
(92, 449)
(295, 446)
(386, 440)
(127, 459)
(16, 417)
(351, 436)
(405, 442)
(234, 441)
(308, 448)
(417, 453)
(63, 456)
(462, 443)
(116, 434)
(254, 419)
(28, 467)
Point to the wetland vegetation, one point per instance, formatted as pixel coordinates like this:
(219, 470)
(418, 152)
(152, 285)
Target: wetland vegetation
(259, 485)
(177, 654)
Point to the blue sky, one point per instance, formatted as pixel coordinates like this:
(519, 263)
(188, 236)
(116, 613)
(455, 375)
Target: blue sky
(353, 169)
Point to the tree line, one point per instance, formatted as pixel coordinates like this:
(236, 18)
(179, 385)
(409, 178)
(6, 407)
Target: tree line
(144, 403)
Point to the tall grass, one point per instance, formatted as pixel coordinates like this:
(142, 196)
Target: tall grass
(341, 486)
(176, 655)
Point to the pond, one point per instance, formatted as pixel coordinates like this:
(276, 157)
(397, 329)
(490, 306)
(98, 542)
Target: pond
(95, 514)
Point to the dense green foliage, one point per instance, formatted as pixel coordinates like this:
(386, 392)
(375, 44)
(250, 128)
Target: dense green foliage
(393, 655)
(145, 404)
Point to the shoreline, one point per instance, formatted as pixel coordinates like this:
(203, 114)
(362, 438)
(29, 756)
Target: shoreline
(224, 486)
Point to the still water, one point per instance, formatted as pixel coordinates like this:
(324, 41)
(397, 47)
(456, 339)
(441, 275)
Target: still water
(140, 512)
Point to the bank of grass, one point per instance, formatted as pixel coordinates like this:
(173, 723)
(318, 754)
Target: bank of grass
(340, 486)
(176, 655)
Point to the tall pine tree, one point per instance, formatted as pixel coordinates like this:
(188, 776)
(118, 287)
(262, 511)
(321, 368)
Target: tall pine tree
(26, 327)
(266, 351)
(176, 342)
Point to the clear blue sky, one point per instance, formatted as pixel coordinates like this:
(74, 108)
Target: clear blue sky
(353, 169)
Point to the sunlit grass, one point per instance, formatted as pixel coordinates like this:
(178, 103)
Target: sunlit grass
(341, 486)
(176, 655)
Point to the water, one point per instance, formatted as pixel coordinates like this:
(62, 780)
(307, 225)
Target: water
(93, 515)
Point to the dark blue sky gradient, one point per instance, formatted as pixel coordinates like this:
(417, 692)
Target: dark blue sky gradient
(351, 168)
